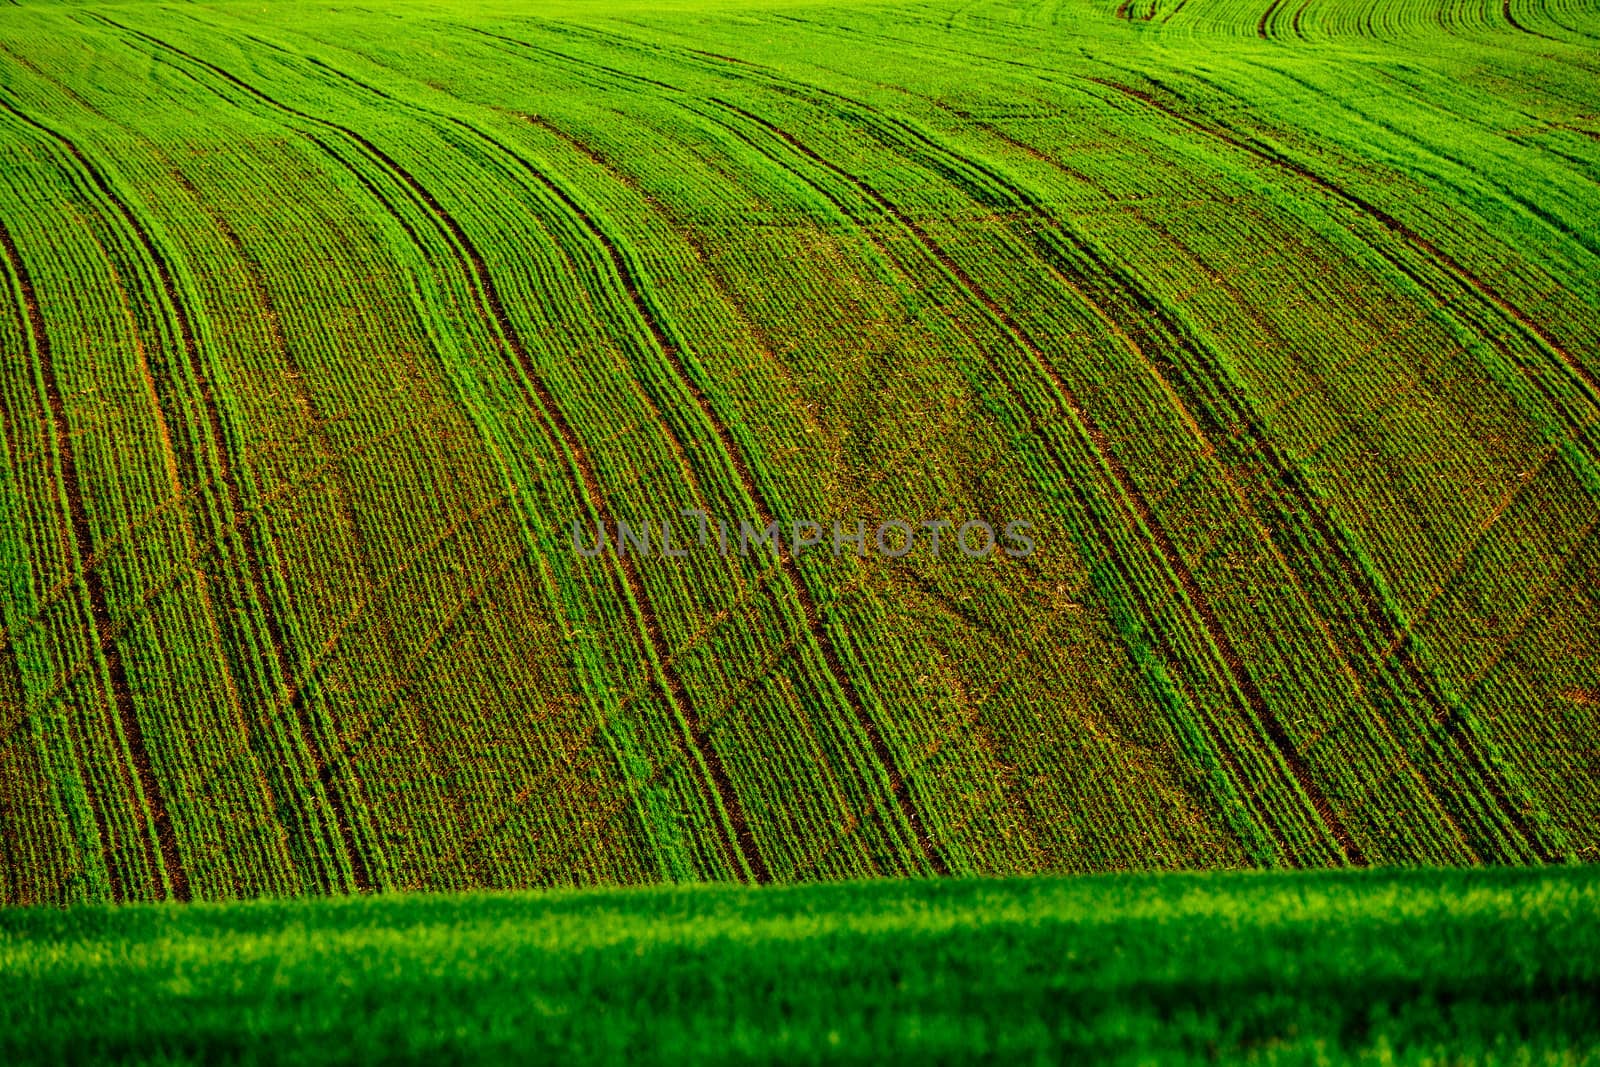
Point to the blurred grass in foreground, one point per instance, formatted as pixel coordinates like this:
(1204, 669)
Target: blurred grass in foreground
(1413, 966)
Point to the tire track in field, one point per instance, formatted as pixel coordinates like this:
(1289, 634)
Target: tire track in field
(1015, 799)
(1405, 650)
(1476, 541)
(1531, 612)
(899, 789)
(799, 590)
(319, 660)
(739, 843)
(19, 732)
(700, 727)
(1530, 327)
(669, 346)
(1255, 700)
(196, 558)
(218, 440)
(1128, 492)
(1335, 543)
(605, 818)
(1167, 549)
(1424, 679)
(182, 496)
(1578, 234)
(1264, 23)
(296, 688)
(989, 307)
(1299, 14)
(1514, 23)
(1227, 754)
(159, 833)
(407, 680)
(1586, 381)
(1304, 509)
(1460, 729)
(727, 707)
(669, 349)
(1103, 535)
(1029, 816)
(544, 404)
(1292, 528)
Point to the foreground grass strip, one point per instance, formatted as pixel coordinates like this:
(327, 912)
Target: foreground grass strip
(1480, 966)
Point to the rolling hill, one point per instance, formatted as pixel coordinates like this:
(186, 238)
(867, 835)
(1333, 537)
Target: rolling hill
(333, 340)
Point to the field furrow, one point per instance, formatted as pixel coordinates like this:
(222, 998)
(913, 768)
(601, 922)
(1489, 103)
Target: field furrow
(543, 445)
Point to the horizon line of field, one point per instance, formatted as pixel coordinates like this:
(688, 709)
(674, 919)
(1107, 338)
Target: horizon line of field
(247, 543)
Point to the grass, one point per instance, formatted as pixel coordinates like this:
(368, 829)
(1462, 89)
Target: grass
(1408, 967)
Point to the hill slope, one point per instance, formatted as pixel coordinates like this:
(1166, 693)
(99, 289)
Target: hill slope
(322, 328)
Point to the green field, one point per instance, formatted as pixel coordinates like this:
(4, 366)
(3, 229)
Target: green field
(321, 326)
(1457, 967)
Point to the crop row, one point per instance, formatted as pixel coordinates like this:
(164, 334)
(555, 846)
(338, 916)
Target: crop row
(315, 350)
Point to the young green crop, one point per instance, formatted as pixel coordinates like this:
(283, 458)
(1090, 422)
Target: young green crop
(1277, 323)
